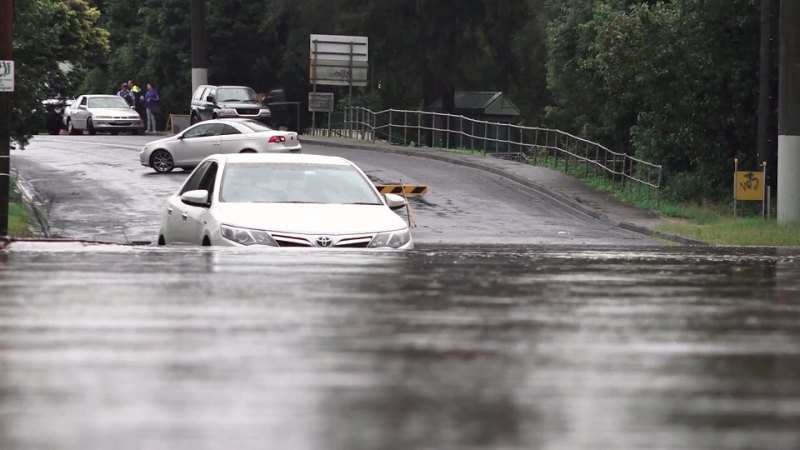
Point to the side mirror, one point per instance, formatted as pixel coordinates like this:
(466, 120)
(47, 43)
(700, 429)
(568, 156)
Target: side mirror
(81, 106)
(211, 99)
(394, 201)
(198, 197)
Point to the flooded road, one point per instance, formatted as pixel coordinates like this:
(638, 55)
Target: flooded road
(464, 347)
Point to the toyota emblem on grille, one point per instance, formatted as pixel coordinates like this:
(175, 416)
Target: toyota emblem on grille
(324, 241)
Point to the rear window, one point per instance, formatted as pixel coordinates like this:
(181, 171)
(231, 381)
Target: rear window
(255, 125)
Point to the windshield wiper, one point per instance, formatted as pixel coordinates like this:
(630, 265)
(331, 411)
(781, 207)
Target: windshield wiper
(362, 203)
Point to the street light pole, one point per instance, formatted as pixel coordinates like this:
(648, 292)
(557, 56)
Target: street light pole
(199, 47)
(789, 115)
(6, 38)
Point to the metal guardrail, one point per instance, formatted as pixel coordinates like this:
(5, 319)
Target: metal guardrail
(538, 146)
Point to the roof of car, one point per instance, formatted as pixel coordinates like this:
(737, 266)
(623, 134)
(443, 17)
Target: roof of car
(302, 158)
(101, 95)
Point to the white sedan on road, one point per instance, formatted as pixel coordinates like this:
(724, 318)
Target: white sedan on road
(279, 200)
(187, 148)
(97, 112)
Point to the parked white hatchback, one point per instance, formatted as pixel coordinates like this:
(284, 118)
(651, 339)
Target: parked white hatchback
(187, 148)
(280, 200)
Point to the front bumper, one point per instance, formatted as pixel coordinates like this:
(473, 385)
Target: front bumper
(117, 124)
(358, 240)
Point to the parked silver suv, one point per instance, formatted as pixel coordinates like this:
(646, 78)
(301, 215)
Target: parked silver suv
(225, 102)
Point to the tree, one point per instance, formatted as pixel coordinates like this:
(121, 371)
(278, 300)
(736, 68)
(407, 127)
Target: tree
(55, 42)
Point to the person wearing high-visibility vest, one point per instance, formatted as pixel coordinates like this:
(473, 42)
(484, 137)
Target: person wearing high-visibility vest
(138, 104)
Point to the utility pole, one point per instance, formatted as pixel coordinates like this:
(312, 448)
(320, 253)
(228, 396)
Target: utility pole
(789, 115)
(766, 132)
(6, 38)
(199, 47)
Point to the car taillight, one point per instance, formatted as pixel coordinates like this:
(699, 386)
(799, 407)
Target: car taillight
(277, 139)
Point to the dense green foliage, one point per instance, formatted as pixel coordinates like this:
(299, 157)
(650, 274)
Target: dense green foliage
(673, 82)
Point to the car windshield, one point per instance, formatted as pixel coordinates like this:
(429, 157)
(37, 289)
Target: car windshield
(236, 95)
(295, 183)
(255, 125)
(107, 102)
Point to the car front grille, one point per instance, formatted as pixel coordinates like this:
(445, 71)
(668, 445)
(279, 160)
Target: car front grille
(247, 111)
(298, 240)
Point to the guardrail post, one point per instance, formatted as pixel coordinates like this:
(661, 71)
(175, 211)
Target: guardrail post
(447, 137)
(419, 129)
(485, 136)
(405, 127)
(472, 137)
(658, 191)
(624, 160)
(461, 132)
(390, 126)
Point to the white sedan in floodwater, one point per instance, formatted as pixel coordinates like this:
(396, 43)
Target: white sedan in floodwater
(187, 148)
(279, 200)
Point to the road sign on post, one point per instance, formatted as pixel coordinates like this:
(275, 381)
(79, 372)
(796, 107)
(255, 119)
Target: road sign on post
(320, 102)
(748, 186)
(6, 76)
(338, 61)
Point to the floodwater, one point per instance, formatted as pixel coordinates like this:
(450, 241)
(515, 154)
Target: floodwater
(462, 347)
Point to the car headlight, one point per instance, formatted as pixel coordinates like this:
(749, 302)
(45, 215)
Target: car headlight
(227, 112)
(247, 236)
(392, 239)
(102, 117)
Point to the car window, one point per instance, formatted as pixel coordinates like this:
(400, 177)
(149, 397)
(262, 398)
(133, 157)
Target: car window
(210, 91)
(227, 129)
(295, 183)
(208, 179)
(195, 178)
(236, 95)
(203, 130)
(199, 93)
(255, 125)
(107, 102)
(83, 101)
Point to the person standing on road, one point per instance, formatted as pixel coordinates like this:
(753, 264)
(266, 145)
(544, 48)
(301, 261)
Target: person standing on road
(152, 102)
(126, 95)
(138, 100)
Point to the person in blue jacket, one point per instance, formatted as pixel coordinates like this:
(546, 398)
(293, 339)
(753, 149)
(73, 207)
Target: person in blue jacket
(152, 102)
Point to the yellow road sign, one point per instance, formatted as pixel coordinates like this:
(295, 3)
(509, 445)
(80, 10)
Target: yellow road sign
(402, 189)
(749, 186)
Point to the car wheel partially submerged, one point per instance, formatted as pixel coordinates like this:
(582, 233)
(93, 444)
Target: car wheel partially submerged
(161, 161)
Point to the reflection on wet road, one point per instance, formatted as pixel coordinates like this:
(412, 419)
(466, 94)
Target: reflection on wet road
(447, 347)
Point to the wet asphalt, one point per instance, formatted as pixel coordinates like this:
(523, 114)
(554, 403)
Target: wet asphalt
(593, 339)
(93, 187)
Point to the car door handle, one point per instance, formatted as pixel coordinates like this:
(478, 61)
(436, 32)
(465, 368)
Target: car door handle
(169, 211)
(185, 216)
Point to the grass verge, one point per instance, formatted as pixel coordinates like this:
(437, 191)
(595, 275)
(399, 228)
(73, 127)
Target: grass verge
(18, 216)
(748, 231)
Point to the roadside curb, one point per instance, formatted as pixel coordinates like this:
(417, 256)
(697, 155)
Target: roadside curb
(35, 204)
(553, 197)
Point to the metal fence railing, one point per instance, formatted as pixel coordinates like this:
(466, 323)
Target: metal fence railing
(538, 146)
